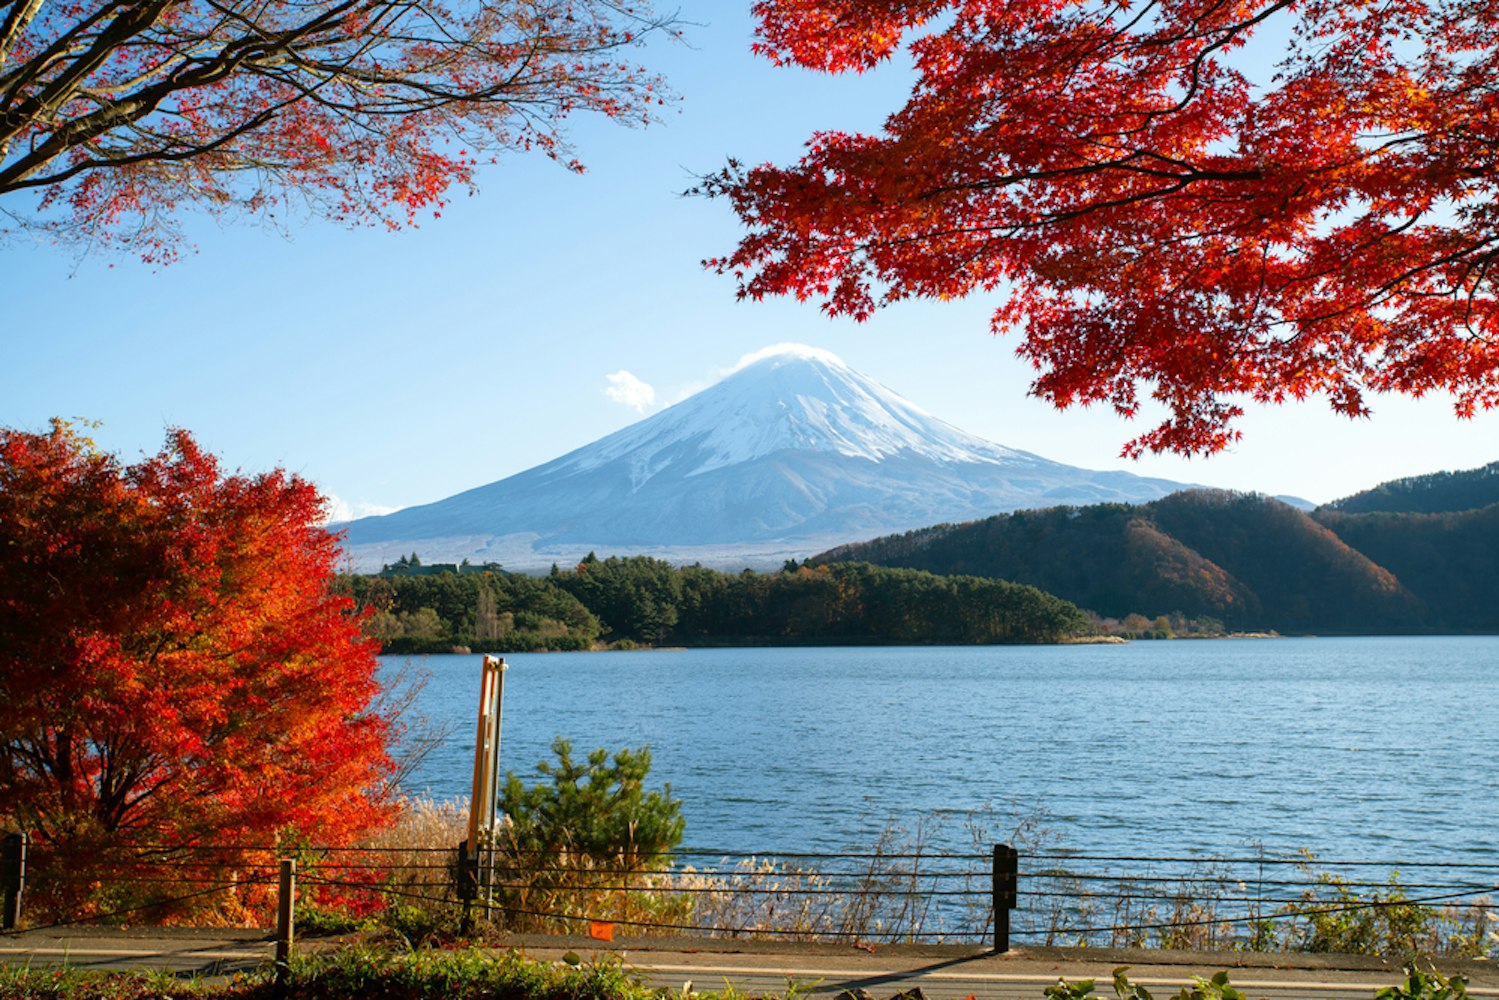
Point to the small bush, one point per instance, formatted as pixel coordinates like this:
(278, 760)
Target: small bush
(1333, 916)
(588, 842)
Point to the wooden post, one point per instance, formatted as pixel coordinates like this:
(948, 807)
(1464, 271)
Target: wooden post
(285, 918)
(12, 878)
(484, 799)
(498, 666)
(1006, 874)
(476, 803)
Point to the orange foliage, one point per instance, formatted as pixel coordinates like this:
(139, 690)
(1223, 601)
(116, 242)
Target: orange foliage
(114, 114)
(1163, 209)
(173, 667)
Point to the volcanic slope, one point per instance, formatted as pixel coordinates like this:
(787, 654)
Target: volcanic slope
(791, 454)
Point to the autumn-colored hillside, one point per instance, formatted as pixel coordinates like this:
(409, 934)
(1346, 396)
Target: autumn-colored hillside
(1450, 559)
(1305, 576)
(1106, 557)
(1249, 560)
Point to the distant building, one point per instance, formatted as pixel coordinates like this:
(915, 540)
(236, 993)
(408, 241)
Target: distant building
(413, 566)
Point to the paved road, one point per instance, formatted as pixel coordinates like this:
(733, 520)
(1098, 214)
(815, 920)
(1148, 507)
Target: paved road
(947, 973)
(205, 952)
(942, 972)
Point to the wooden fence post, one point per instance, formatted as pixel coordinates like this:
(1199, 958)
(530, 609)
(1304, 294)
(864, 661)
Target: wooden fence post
(1006, 873)
(285, 918)
(12, 878)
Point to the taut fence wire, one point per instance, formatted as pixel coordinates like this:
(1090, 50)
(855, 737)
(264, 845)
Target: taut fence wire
(1002, 899)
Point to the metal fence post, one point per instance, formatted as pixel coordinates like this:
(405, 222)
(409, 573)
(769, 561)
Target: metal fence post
(467, 889)
(12, 878)
(1006, 873)
(285, 918)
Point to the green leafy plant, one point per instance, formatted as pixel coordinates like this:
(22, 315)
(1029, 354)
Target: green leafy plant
(1334, 916)
(1084, 989)
(412, 973)
(1426, 986)
(1216, 987)
(1064, 990)
(314, 921)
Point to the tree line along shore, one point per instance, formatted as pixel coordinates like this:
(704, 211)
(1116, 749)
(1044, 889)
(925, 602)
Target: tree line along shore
(1415, 556)
(637, 600)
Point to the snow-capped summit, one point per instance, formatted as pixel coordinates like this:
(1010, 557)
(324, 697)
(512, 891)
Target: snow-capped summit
(789, 454)
(785, 398)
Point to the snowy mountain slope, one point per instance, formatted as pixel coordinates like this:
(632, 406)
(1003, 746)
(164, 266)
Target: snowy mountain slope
(799, 399)
(787, 453)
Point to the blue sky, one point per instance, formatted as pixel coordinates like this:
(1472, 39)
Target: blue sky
(539, 315)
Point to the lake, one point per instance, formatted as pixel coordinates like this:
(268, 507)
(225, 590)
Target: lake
(1380, 749)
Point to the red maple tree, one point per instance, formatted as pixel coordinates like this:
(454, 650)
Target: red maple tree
(1205, 200)
(115, 113)
(173, 666)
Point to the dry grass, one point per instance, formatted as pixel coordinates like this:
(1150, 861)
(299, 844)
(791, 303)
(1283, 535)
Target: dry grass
(419, 849)
(404, 878)
(1208, 910)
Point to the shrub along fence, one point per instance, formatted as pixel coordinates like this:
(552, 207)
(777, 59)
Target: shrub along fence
(996, 899)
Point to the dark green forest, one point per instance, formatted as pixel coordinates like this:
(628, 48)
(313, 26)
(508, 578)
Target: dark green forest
(496, 610)
(1450, 560)
(1437, 493)
(639, 600)
(1404, 557)
(1245, 559)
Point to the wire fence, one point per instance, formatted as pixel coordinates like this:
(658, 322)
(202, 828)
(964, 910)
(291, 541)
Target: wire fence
(999, 899)
(1260, 902)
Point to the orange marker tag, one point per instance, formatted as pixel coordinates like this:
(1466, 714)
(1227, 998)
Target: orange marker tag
(603, 930)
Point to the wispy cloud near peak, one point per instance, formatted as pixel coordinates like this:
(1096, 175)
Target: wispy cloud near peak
(625, 388)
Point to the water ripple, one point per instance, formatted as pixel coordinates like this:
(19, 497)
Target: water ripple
(1351, 747)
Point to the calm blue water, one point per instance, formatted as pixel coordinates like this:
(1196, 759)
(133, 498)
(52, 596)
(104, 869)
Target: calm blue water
(1381, 749)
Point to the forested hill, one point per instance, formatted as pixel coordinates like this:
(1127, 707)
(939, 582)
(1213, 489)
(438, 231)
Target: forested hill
(1439, 492)
(643, 600)
(1451, 559)
(1438, 534)
(1249, 560)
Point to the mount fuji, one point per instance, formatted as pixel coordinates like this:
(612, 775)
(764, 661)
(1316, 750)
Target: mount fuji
(793, 453)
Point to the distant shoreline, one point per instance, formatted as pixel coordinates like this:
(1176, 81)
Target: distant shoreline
(742, 642)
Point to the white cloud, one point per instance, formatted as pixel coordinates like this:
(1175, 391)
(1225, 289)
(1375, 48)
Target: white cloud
(627, 389)
(789, 350)
(340, 509)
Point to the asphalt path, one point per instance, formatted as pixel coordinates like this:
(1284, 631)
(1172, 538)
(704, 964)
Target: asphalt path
(193, 951)
(942, 972)
(952, 972)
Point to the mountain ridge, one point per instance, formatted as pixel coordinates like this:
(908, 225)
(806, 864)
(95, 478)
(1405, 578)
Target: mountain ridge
(1434, 493)
(1248, 560)
(792, 453)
